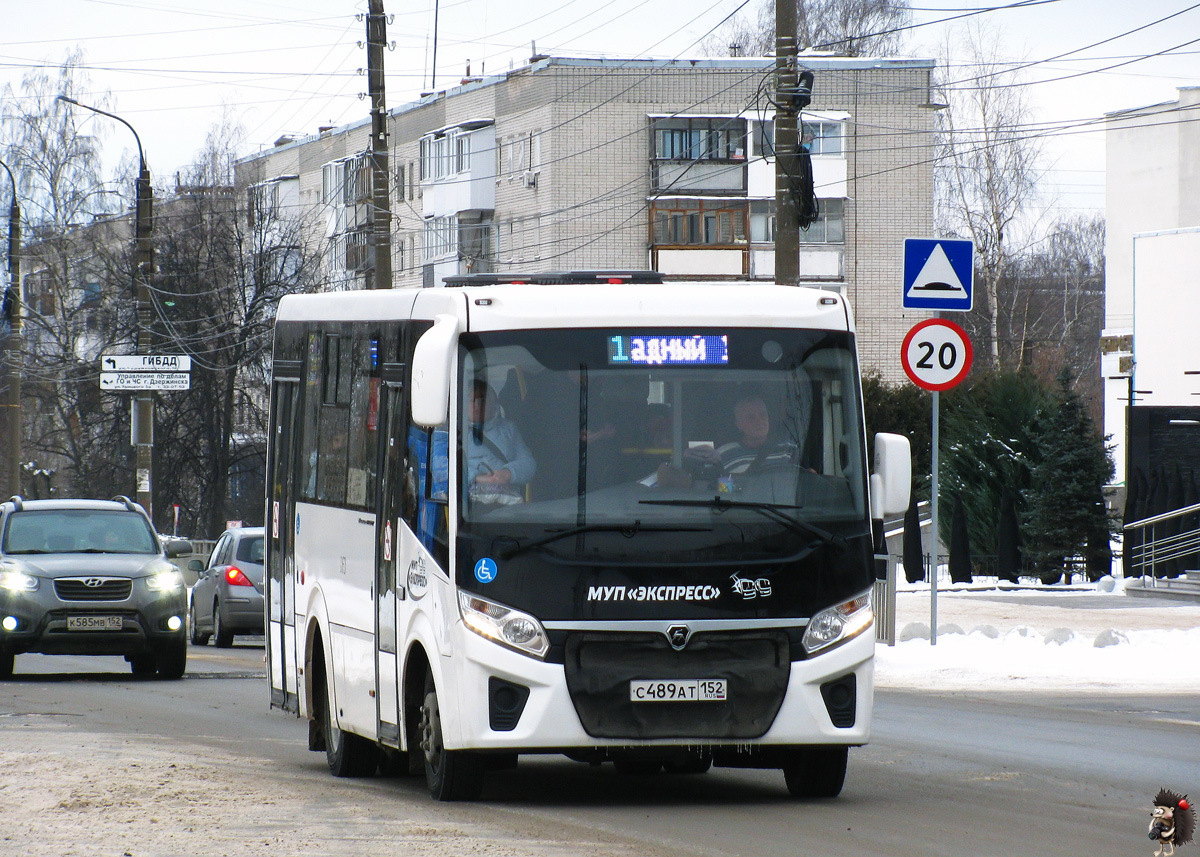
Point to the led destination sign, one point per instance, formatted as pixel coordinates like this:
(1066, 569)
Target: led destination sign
(676, 349)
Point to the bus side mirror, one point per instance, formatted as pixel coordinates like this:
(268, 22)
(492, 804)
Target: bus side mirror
(891, 479)
(433, 359)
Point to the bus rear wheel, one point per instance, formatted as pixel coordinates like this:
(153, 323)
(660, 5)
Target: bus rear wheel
(348, 755)
(450, 774)
(816, 772)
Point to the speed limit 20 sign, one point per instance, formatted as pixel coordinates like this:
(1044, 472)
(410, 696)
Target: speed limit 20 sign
(936, 354)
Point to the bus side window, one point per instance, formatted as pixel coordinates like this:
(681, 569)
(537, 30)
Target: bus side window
(439, 467)
(428, 472)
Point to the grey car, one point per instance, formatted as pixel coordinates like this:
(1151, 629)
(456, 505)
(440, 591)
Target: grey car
(228, 596)
(90, 577)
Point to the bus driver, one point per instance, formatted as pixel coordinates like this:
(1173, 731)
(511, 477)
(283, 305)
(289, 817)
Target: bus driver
(498, 463)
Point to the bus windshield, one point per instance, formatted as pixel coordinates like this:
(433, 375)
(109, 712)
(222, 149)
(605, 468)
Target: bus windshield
(657, 427)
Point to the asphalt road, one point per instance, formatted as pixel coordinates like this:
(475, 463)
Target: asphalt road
(203, 766)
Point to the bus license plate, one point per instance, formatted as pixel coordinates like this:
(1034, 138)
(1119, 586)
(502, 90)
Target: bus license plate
(94, 623)
(678, 690)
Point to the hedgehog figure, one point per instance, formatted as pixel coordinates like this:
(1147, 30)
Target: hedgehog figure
(1172, 822)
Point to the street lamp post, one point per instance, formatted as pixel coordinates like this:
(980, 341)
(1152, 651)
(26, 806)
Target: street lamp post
(143, 404)
(10, 355)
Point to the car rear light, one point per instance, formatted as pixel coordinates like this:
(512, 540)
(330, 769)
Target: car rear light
(234, 576)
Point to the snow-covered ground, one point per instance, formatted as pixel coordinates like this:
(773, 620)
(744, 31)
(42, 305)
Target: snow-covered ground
(1043, 638)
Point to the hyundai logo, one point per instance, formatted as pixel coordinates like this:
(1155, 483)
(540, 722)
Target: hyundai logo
(678, 636)
(93, 582)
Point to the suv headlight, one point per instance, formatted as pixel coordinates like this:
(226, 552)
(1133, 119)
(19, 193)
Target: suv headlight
(18, 581)
(165, 581)
(508, 627)
(835, 625)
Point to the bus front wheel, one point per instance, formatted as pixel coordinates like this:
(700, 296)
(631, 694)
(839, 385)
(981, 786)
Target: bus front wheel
(816, 772)
(450, 774)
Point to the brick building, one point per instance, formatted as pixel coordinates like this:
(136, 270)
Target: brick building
(666, 164)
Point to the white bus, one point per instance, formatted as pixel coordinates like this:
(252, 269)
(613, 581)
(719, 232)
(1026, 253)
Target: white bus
(661, 558)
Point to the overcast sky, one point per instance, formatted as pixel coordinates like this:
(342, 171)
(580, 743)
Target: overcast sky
(174, 67)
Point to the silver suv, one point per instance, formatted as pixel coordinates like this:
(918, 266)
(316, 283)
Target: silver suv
(90, 577)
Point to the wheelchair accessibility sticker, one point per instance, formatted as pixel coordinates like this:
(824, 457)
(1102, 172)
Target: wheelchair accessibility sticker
(485, 570)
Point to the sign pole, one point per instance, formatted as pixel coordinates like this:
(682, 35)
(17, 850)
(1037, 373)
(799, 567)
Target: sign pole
(935, 538)
(936, 355)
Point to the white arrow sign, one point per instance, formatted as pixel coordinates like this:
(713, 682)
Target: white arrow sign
(145, 363)
(118, 381)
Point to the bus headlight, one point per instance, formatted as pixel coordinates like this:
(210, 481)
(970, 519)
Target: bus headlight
(837, 624)
(18, 581)
(508, 627)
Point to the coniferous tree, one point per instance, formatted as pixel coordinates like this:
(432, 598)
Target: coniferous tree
(1065, 508)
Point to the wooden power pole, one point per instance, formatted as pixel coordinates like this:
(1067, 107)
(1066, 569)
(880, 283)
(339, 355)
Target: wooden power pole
(787, 139)
(794, 199)
(381, 195)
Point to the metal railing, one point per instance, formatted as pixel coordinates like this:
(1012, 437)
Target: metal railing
(1155, 546)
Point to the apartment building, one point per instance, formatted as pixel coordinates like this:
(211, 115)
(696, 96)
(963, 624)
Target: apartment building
(617, 164)
(1150, 366)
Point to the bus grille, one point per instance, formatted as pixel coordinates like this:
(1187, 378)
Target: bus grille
(755, 666)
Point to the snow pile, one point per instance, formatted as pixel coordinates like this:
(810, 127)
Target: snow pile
(1022, 658)
(1031, 637)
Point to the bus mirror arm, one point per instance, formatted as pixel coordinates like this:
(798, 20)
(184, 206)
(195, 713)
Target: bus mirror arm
(891, 479)
(433, 360)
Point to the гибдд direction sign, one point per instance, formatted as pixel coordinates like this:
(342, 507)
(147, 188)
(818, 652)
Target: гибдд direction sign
(120, 381)
(145, 363)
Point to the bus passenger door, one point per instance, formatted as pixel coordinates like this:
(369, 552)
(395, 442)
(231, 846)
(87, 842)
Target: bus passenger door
(388, 592)
(280, 578)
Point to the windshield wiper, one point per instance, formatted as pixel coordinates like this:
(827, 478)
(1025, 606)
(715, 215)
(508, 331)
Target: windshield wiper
(774, 511)
(627, 530)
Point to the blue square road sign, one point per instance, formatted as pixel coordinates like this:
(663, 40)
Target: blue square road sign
(939, 274)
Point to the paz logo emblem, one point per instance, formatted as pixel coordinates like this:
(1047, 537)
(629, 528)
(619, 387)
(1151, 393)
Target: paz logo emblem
(678, 636)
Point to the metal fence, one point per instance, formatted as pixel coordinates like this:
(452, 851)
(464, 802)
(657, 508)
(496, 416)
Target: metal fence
(1162, 545)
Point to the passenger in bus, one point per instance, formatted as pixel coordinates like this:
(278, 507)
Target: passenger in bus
(498, 463)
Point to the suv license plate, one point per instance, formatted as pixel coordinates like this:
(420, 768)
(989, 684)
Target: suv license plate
(678, 690)
(94, 623)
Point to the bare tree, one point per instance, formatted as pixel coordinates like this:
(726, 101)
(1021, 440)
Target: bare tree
(1057, 301)
(227, 252)
(851, 28)
(77, 269)
(987, 172)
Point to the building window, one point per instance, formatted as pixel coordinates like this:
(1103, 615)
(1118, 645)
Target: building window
(692, 222)
(823, 138)
(829, 227)
(703, 139)
(762, 221)
(762, 138)
(346, 181)
(446, 155)
(462, 153)
(518, 240)
(440, 237)
(518, 154)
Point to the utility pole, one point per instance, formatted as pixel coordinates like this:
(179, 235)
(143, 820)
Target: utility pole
(793, 169)
(143, 403)
(11, 355)
(787, 139)
(381, 195)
